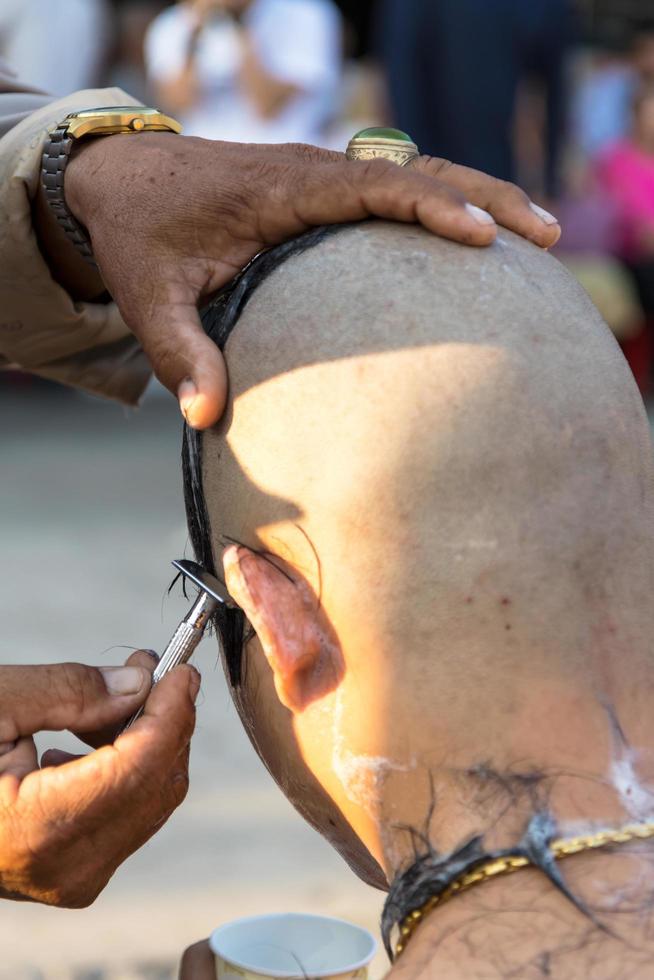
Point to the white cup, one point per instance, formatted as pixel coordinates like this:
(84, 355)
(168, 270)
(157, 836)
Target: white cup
(291, 946)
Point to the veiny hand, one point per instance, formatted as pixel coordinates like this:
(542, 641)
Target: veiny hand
(198, 963)
(172, 219)
(65, 828)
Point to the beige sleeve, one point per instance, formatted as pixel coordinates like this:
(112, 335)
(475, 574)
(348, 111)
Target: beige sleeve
(42, 330)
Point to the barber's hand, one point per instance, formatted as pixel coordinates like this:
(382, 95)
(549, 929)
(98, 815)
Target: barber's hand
(172, 219)
(65, 828)
(198, 963)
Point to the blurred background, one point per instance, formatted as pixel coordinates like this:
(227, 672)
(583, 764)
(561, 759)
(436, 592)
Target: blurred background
(557, 95)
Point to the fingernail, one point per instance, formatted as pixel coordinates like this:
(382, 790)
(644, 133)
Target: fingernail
(186, 395)
(123, 680)
(153, 654)
(481, 217)
(544, 215)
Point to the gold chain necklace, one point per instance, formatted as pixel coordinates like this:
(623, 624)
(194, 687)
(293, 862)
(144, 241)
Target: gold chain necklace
(513, 862)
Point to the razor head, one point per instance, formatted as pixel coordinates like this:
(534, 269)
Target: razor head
(204, 580)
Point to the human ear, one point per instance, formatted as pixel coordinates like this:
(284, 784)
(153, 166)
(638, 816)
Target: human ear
(298, 640)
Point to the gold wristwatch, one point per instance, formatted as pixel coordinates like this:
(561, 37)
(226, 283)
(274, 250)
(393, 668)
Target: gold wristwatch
(108, 121)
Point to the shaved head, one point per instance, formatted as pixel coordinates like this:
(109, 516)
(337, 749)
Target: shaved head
(437, 468)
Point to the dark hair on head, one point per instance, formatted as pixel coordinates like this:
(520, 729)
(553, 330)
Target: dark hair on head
(432, 873)
(219, 319)
(229, 623)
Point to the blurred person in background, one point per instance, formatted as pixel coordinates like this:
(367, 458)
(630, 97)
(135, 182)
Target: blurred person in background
(36, 34)
(262, 71)
(454, 71)
(626, 175)
(602, 207)
(602, 104)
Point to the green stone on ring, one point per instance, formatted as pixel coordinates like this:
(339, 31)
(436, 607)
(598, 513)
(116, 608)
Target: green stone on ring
(382, 133)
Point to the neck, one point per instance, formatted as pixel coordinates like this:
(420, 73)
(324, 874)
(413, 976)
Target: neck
(585, 763)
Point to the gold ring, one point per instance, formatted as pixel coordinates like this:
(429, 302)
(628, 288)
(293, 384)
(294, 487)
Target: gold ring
(387, 144)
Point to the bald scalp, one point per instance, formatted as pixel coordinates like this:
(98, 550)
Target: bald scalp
(465, 411)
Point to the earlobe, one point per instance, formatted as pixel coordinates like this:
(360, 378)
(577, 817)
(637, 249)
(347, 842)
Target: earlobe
(297, 638)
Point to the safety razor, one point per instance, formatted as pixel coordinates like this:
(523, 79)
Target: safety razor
(191, 629)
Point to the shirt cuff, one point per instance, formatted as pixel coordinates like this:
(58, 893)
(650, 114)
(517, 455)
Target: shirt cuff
(42, 329)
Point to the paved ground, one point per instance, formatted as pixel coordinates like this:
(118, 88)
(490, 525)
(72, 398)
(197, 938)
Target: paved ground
(90, 516)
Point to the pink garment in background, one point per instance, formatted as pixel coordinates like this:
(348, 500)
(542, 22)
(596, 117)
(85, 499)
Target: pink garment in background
(626, 176)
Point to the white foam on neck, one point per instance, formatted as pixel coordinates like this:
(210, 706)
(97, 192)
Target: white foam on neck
(362, 776)
(635, 796)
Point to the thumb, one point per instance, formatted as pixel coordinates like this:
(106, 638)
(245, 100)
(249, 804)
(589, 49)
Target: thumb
(183, 358)
(198, 963)
(148, 763)
(62, 696)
